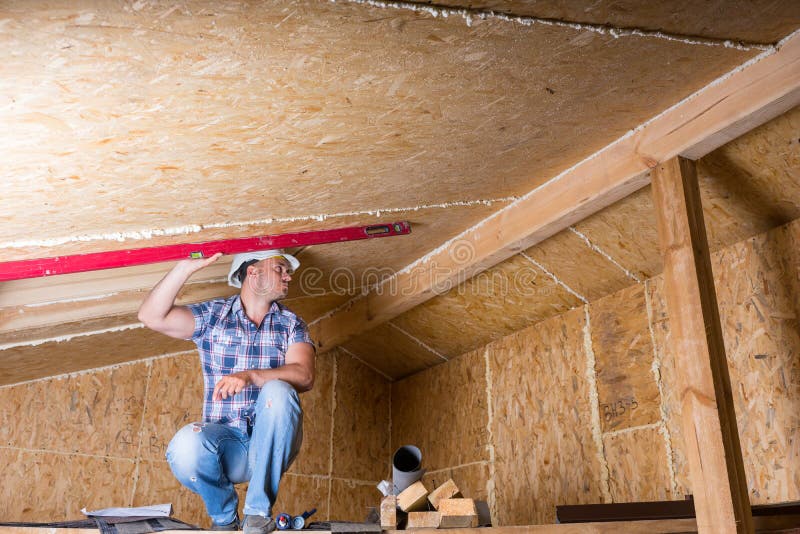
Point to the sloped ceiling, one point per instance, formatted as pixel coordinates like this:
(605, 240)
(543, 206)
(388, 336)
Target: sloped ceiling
(151, 123)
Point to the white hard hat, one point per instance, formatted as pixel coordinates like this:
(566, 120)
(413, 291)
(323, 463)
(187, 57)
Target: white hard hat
(259, 255)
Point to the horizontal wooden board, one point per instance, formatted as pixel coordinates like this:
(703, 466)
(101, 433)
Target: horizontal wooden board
(448, 400)
(472, 480)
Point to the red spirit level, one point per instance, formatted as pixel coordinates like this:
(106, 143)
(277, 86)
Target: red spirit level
(16, 270)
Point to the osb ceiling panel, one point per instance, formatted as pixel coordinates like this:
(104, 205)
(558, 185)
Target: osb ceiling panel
(747, 186)
(763, 21)
(154, 116)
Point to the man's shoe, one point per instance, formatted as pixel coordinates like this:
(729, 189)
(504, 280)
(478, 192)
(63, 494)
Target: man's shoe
(233, 525)
(256, 524)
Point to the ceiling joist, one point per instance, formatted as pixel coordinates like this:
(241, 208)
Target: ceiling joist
(756, 92)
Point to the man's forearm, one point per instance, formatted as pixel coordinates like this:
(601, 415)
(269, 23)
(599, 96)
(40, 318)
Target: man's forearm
(295, 374)
(161, 298)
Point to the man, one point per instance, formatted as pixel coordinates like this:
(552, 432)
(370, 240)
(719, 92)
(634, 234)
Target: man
(256, 356)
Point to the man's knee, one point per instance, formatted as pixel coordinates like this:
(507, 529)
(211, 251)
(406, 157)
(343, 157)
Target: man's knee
(186, 448)
(277, 394)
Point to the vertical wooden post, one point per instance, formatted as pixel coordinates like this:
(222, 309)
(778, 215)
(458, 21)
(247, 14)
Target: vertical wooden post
(709, 421)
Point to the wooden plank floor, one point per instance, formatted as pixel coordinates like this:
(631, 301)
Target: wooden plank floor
(776, 524)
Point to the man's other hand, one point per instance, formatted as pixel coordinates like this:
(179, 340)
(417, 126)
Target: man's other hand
(230, 385)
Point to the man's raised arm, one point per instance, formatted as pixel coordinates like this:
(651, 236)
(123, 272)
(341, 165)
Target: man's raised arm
(159, 312)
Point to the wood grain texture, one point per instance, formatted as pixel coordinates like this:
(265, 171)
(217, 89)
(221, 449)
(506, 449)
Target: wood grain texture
(756, 285)
(174, 399)
(361, 422)
(30, 362)
(541, 427)
(501, 300)
(53, 486)
(707, 411)
(351, 500)
(314, 456)
(447, 401)
(300, 493)
(392, 351)
(670, 392)
(156, 483)
(472, 479)
(97, 413)
(637, 465)
(584, 270)
(626, 388)
(763, 21)
(243, 94)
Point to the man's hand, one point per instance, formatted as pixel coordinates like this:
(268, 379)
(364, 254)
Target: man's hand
(194, 265)
(231, 385)
(159, 312)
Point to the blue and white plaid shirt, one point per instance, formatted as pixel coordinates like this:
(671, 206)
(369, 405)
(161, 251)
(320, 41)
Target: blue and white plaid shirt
(229, 342)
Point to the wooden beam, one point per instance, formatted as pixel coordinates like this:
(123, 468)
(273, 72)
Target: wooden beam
(718, 479)
(744, 99)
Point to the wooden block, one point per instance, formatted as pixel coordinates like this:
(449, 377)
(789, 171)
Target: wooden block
(448, 490)
(458, 513)
(413, 497)
(423, 520)
(389, 512)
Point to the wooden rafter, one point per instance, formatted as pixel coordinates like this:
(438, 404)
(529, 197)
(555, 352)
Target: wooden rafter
(721, 111)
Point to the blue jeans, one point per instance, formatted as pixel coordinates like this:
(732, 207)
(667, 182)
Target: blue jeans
(209, 458)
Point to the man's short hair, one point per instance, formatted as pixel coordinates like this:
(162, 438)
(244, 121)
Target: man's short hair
(241, 272)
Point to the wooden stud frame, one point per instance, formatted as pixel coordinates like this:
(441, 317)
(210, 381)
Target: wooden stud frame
(708, 417)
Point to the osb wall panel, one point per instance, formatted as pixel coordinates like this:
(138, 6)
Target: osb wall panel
(751, 184)
(361, 422)
(111, 428)
(756, 283)
(38, 486)
(174, 399)
(623, 349)
(95, 413)
(315, 454)
(472, 480)
(156, 484)
(392, 351)
(670, 390)
(541, 423)
(637, 465)
(29, 362)
(763, 21)
(447, 400)
(584, 270)
(501, 300)
(388, 105)
(351, 500)
(300, 493)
